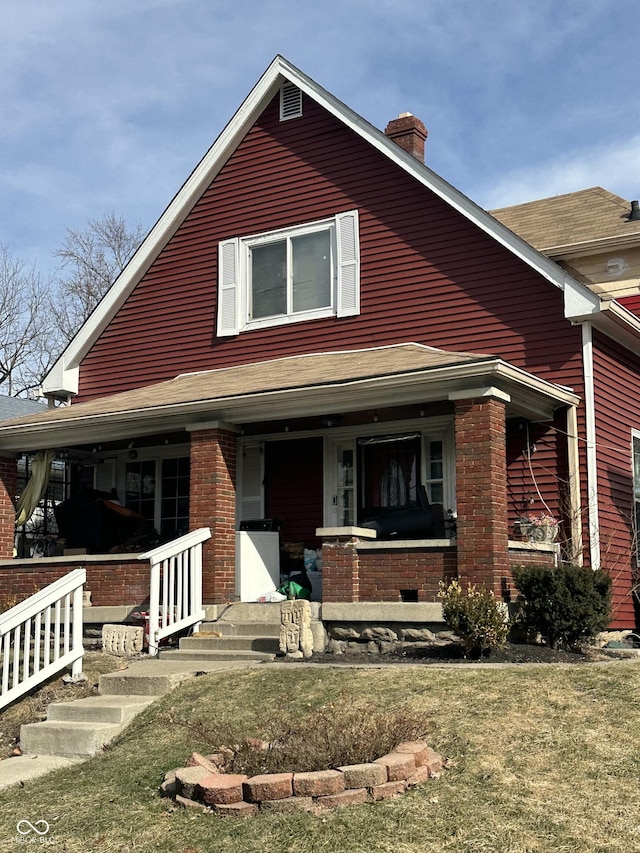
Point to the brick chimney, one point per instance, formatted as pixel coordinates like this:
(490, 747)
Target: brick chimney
(409, 132)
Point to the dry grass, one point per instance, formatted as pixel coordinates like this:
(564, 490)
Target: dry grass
(544, 760)
(33, 707)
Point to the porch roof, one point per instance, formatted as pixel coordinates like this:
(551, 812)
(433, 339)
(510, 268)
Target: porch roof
(299, 386)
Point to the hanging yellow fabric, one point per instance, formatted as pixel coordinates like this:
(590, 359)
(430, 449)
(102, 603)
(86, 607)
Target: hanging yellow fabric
(36, 487)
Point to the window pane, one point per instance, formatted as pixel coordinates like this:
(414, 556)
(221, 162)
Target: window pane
(311, 271)
(389, 476)
(269, 280)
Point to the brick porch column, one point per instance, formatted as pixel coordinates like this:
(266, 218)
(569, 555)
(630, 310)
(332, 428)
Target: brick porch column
(341, 562)
(8, 489)
(212, 503)
(481, 490)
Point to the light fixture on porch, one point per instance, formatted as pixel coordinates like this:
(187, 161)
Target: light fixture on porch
(329, 421)
(133, 453)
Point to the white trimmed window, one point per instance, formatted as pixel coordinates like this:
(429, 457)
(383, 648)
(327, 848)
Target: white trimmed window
(290, 275)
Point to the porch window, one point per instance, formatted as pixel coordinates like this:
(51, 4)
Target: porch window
(158, 489)
(389, 473)
(301, 273)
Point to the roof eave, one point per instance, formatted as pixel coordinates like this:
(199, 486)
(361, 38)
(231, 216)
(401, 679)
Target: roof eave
(527, 395)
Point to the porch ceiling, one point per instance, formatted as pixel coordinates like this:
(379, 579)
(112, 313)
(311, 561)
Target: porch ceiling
(297, 386)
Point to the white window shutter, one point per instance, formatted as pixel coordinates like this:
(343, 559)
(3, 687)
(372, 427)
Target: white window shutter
(251, 504)
(228, 288)
(348, 266)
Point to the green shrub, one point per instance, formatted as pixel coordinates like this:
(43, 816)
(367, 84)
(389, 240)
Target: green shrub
(567, 605)
(475, 616)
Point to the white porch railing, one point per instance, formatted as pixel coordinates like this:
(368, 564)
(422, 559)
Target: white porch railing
(42, 635)
(175, 595)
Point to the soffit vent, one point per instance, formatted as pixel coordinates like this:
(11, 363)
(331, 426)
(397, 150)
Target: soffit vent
(290, 101)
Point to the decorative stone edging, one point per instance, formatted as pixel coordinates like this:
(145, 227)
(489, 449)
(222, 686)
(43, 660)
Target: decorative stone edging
(201, 784)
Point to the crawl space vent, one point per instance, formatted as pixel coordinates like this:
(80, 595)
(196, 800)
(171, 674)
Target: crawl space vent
(290, 102)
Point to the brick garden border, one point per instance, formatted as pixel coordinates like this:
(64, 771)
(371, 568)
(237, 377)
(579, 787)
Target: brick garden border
(201, 784)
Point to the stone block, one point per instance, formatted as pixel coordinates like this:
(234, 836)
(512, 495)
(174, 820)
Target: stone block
(198, 760)
(220, 788)
(240, 809)
(363, 775)
(187, 778)
(291, 804)
(268, 786)
(168, 786)
(188, 803)
(318, 783)
(122, 640)
(435, 762)
(350, 797)
(398, 766)
(418, 635)
(420, 775)
(379, 633)
(418, 748)
(387, 790)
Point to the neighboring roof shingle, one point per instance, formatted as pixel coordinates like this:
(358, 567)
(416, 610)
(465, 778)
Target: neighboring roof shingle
(570, 219)
(15, 407)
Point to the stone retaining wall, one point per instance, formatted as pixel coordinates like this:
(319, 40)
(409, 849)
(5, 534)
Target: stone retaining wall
(202, 784)
(392, 638)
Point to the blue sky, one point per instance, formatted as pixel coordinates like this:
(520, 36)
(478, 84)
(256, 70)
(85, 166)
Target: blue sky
(108, 106)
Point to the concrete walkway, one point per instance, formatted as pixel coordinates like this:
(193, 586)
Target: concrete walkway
(145, 677)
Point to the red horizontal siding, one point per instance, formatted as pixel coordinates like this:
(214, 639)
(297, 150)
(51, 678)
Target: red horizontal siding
(428, 274)
(617, 383)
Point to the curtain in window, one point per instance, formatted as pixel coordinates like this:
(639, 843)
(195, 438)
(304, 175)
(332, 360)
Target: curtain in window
(389, 472)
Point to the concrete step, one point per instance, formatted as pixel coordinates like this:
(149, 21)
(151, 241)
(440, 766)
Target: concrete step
(211, 656)
(117, 710)
(68, 739)
(243, 642)
(226, 628)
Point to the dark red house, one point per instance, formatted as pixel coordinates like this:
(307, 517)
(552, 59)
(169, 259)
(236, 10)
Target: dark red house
(321, 331)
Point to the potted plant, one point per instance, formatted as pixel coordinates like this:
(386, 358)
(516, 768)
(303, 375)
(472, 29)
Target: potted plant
(538, 528)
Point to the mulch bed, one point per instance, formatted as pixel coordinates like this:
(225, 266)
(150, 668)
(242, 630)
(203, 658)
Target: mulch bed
(511, 653)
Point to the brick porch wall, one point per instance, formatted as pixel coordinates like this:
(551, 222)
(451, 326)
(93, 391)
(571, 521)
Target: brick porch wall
(383, 573)
(8, 489)
(115, 582)
(213, 504)
(340, 570)
(481, 491)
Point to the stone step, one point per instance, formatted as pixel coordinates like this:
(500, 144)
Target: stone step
(68, 739)
(243, 642)
(239, 629)
(211, 655)
(117, 710)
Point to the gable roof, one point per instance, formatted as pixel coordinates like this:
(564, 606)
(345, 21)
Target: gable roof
(63, 377)
(575, 222)
(294, 386)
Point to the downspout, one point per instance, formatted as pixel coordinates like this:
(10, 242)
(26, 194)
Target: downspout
(592, 460)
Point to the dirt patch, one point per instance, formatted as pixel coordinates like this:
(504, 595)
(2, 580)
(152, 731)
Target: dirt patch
(510, 653)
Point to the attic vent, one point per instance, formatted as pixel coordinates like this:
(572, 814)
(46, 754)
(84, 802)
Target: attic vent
(290, 101)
